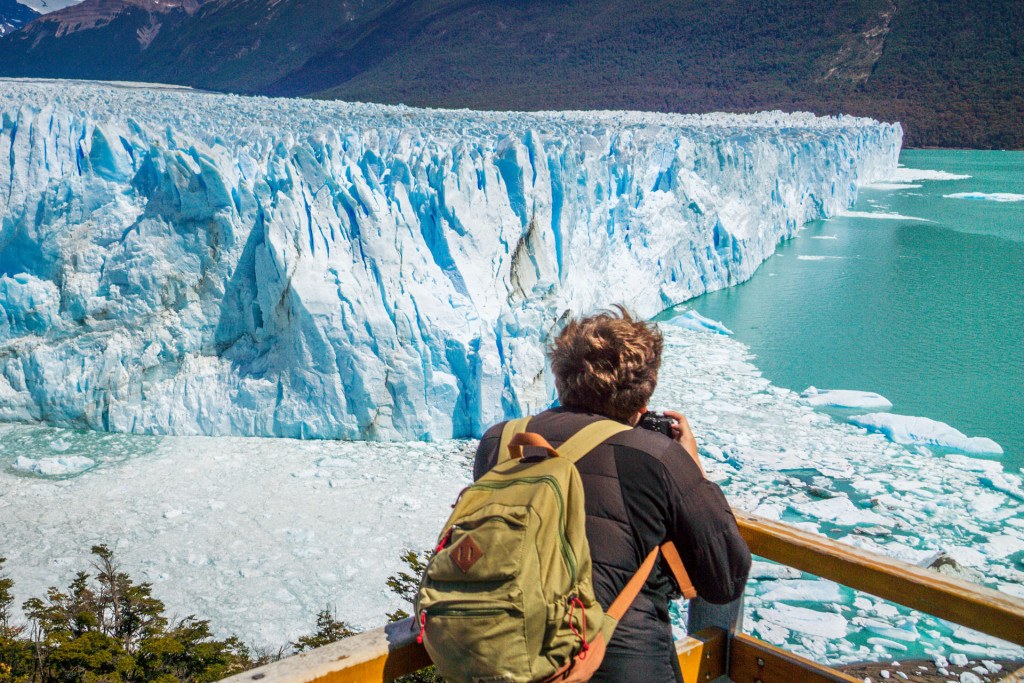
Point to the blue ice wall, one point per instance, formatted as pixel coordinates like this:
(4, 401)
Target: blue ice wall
(189, 263)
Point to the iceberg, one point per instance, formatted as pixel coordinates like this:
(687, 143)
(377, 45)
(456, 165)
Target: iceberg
(692, 320)
(176, 262)
(987, 196)
(881, 216)
(53, 467)
(809, 622)
(844, 398)
(923, 431)
(903, 174)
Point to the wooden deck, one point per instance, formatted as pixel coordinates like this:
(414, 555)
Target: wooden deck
(389, 652)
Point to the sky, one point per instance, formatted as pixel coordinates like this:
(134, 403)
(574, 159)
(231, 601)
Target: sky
(46, 6)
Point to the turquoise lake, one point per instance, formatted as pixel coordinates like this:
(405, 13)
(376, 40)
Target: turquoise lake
(929, 313)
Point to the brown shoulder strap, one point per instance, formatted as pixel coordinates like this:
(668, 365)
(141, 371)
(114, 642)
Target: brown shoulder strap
(624, 599)
(633, 587)
(511, 428)
(675, 564)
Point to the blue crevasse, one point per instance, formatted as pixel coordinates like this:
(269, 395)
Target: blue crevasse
(189, 263)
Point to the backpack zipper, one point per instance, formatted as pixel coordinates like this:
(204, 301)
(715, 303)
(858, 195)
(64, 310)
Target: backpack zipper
(469, 612)
(567, 555)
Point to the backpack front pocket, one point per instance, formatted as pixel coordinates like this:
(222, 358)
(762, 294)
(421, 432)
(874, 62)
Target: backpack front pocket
(485, 547)
(478, 637)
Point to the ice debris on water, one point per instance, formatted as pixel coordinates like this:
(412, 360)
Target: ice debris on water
(987, 196)
(906, 429)
(366, 502)
(53, 467)
(845, 398)
(191, 263)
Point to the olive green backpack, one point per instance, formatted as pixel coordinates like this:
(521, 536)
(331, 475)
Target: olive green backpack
(507, 597)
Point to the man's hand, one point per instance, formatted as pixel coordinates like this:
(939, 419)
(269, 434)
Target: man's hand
(682, 433)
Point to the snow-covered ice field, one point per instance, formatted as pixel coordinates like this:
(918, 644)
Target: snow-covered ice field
(259, 534)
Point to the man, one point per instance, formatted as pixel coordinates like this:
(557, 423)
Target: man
(641, 488)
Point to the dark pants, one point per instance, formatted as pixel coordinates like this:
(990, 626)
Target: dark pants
(660, 664)
(639, 668)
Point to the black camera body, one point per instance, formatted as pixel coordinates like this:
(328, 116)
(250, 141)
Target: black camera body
(657, 422)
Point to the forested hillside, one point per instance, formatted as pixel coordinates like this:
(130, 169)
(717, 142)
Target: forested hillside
(952, 71)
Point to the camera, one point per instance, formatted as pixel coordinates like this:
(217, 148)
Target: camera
(656, 422)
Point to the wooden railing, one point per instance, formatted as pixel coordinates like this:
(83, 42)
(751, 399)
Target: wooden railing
(389, 652)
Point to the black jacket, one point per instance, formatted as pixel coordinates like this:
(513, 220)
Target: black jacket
(641, 489)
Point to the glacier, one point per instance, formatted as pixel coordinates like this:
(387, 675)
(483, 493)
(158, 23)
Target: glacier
(176, 262)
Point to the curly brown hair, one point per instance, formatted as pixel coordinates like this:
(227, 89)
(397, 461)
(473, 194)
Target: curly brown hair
(607, 363)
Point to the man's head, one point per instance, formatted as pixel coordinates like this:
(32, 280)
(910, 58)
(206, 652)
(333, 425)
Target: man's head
(607, 364)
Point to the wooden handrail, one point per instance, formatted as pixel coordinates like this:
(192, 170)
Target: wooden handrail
(378, 655)
(392, 651)
(389, 652)
(970, 605)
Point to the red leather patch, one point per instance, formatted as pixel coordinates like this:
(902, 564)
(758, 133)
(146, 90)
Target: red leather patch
(466, 553)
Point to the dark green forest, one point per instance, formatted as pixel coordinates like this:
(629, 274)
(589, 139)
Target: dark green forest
(105, 627)
(951, 71)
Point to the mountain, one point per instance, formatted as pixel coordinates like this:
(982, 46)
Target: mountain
(952, 71)
(93, 39)
(14, 15)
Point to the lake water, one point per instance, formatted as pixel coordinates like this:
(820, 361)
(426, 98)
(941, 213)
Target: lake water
(929, 313)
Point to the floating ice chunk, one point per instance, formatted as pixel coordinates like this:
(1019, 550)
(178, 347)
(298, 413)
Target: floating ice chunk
(1003, 545)
(880, 215)
(53, 467)
(810, 622)
(966, 556)
(958, 659)
(845, 398)
(904, 632)
(60, 445)
(824, 237)
(802, 590)
(1014, 589)
(903, 174)
(993, 668)
(987, 196)
(839, 510)
(906, 429)
(900, 551)
(891, 186)
(816, 257)
(692, 320)
(888, 644)
(770, 570)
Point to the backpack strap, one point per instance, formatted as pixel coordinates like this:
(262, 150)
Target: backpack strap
(589, 438)
(511, 428)
(633, 587)
(675, 565)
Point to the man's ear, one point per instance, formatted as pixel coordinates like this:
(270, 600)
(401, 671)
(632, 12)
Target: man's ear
(636, 418)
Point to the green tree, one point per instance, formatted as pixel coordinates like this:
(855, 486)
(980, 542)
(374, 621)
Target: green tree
(328, 630)
(405, 584)
(107, 628)
(15, 654)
